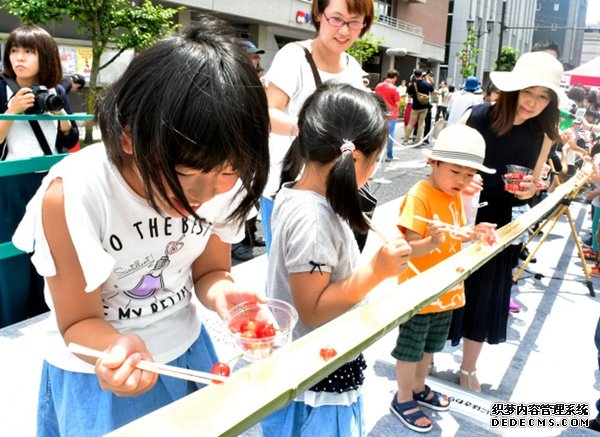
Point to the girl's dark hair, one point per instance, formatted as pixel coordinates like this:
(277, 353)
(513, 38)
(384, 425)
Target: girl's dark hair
(38, 39)
(335, 113)
(503, 115)
(360, 7)
(192, 100)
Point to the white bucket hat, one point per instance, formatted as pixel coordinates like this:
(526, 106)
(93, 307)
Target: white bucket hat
(462, 145)
(532, 69)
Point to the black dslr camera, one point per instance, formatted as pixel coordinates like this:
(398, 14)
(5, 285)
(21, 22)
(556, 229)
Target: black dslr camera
(44, 100)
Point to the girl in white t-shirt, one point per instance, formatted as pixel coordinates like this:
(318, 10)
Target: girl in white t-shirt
(314, 258)
(133, 234)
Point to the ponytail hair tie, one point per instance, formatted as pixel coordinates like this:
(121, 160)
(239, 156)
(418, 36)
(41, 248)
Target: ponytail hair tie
(348, 146)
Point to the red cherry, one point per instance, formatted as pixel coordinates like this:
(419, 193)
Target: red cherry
(250, 325)
(266, 330)
(249, 334)
(258, 326)
(221, 369)
(327, 353)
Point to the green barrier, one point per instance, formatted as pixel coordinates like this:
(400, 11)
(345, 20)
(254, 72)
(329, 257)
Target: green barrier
(8, 249)
(40, 117)
(30, 165)
(22, 166)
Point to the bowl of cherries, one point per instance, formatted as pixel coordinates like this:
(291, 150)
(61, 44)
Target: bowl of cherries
(258, 329)
(514, 176)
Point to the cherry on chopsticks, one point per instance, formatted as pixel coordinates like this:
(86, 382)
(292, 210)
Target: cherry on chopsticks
(222, 369)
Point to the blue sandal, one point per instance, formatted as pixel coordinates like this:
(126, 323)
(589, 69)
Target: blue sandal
(409, 420)
(435, 403)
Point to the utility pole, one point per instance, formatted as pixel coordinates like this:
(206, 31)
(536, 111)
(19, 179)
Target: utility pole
(501, 36)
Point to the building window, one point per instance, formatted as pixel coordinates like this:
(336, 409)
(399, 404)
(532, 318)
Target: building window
(538, 6)
(383, 7)
(556, 7)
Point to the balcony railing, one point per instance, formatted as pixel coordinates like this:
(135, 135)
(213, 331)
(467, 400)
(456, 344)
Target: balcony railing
(400, 25)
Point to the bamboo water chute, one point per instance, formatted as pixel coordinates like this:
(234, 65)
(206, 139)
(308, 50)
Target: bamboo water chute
(255, 391)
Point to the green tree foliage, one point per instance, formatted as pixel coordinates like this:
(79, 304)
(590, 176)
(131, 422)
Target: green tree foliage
(365, 48)
(468, 55)
(508, 59)
(114, 24)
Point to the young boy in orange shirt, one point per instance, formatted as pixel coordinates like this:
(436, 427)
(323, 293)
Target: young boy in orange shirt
(432, 219)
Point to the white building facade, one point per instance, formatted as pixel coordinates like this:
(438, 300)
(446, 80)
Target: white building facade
(486, 17)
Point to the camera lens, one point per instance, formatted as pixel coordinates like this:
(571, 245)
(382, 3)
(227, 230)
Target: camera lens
(53, 102)
(44, 101)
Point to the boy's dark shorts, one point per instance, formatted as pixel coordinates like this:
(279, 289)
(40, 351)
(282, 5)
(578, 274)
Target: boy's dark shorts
(423, 333)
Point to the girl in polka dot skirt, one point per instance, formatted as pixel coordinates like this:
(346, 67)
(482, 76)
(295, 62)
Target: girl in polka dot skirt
(313, 259)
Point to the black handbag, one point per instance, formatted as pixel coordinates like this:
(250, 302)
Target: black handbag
(368, 201)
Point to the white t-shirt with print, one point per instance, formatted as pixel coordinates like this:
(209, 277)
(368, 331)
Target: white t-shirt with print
(140, 259)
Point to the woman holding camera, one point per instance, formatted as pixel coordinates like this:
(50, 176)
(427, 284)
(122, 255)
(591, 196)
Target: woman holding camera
(29, 84)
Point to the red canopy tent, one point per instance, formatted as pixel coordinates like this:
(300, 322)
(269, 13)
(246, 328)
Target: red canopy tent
(587, 74)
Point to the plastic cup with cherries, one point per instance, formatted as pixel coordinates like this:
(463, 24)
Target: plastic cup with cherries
(258, 330)
(514, 176)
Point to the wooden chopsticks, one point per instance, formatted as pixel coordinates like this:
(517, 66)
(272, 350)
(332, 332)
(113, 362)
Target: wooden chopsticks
(150, 366)
(447, 226)
(385, 240)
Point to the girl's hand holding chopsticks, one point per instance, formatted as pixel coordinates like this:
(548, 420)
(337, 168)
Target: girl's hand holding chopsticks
(117, 369)
(400, 246)
(149, 368)
(392, 259)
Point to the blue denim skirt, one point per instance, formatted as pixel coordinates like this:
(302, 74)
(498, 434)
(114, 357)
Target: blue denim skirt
(301, 420)
(73, 404)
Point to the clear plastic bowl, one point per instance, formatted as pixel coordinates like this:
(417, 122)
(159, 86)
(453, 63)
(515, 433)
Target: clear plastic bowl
(511, 184)
(281, 315)
(518, 170)
(514, 175)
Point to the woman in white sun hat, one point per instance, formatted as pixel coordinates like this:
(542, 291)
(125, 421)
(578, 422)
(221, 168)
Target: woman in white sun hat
(519, 129)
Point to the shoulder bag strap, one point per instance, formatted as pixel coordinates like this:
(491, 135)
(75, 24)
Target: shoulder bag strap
(37, 130)
(35, 126)
(3, 107)
(313, 66)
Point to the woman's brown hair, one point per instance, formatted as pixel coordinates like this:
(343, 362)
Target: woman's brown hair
(503, 115)
(38, 39)
(360, 7)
